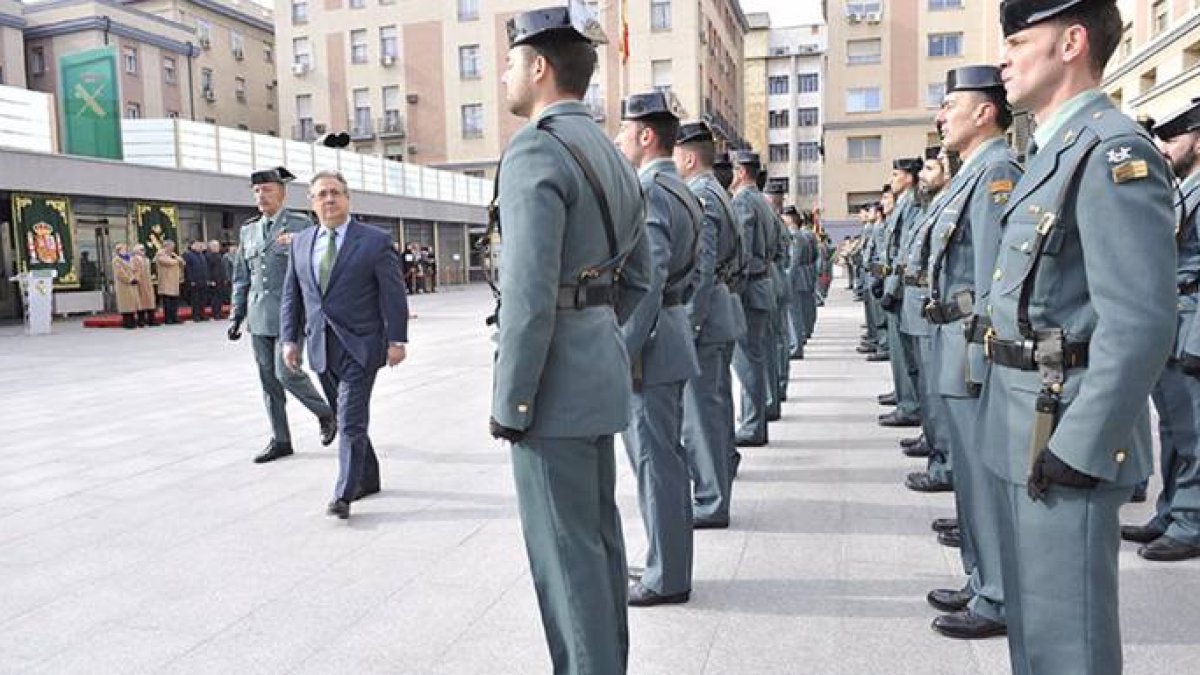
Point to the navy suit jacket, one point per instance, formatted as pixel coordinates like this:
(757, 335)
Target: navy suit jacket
(364, 306)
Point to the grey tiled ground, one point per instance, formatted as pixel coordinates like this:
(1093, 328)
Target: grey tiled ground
(137, 537)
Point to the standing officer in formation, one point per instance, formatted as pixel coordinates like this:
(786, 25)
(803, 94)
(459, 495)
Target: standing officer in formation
(717, 321)
(963, 248)
(258, 273)
(780, 250)
(575, 263)
(660, 343)
(802, 278)
(904, 215)
(1081, 328)
(1174, 531)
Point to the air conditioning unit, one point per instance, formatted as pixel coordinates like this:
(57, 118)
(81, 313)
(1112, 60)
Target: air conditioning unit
(412, 99)
(854, 18)
(205, 41)
(809, 49)
(387, 60)
(299, 69)
(210, 95)
(873, 17)
(779, 51)
(412, 149)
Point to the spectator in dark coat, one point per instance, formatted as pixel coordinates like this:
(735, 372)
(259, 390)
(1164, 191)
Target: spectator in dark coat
(196, 278)
(218, 278)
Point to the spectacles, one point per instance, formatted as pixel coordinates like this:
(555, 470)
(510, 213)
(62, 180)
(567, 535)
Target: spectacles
(325, 194)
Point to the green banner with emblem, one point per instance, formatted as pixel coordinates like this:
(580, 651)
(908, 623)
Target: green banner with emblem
(44, 235)
(90, 103)
(155, 224)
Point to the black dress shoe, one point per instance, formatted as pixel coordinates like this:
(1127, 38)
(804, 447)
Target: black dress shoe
(1166, 549)
(919, 450)
(750, 443)
(710, 524)
(944, 524)
(640, 596)
(921, 481)
(894, 419)
(797, 355)
(272, 452)
(339, 508)
(914, 440)
(1140, 534)
(887, 399)
(328, 429)
(879, 356)
(950, 538)
(735, 461)
(866, 349)
(967, 625)
(949, 599)
(774, 417)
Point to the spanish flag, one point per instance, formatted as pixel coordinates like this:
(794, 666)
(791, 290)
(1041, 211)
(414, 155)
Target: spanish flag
(624, 31)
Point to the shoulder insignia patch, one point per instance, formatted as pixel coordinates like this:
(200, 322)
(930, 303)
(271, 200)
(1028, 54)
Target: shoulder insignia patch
(1000, 186)
(1131, 170)
(1119, 155)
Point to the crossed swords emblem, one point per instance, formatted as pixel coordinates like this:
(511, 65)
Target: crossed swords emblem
(89, 100)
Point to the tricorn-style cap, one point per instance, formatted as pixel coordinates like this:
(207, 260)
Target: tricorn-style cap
(1180, 122)
(933, 152)
(973, 78)
(790, 210)
(277, 175)
(909, 164)
(570, 23)
(694, 132)
(649, 105)
(1017, 15)
(744, 157)
(721, 160)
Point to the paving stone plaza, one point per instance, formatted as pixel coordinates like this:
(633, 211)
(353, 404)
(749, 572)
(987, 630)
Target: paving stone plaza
(137, 537)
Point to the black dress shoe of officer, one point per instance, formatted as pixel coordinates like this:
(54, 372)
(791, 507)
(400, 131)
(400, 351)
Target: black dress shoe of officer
(914, 440)
(944, 524)
(640, 596)
(339, 508)
(750, 442)
(894, 419)
(967, 625)
(887, 399)
(710, 524)
(865, 348)
(950, 538)
(879, 356)
(949, 599)
(1140, 534)
(919, 450)
(328, 429)
(1166, 549)
(272, 452)
(921, 481)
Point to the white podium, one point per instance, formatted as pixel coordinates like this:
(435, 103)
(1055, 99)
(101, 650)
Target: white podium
(37, 287)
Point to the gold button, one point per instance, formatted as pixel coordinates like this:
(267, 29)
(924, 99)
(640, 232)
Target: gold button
(1120, 456)
(522, 408)
(1025, 247)
(998, 274)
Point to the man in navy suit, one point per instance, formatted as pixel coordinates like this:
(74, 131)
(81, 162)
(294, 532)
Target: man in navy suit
(343, 289)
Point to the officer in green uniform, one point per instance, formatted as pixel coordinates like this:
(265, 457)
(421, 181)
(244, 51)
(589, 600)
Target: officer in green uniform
(659, 339)
(574, 264)
(717, 321)
(258, 272)
(750, 358)
(1082, 305)
(1174, 531)
(779, 367)
(904, 217)
(801, 276)
(963, 248)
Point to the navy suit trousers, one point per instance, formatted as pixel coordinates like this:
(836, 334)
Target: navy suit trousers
(348, 388)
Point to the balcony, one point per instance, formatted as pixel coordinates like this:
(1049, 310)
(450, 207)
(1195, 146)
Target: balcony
(361, 129)
(391, 126)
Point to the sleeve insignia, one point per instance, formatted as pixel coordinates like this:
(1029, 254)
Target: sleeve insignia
(1131, 170)
(1000, 186)
(1117, 156)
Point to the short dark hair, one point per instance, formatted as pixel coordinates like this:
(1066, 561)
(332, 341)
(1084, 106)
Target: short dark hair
(1104, 29)
(706, 152)
(999, 100)
(665, 130)
(573, 63)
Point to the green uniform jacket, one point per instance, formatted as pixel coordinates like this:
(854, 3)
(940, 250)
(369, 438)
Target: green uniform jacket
(259, 268)
(714, 316)
(1188, 217)
(754, 215)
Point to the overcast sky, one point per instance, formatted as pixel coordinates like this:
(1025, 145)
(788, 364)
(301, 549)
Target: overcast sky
(786, 12)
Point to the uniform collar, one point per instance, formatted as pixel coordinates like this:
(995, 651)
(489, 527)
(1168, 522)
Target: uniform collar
(565, 107)
(980, 152)
(659, 165)
(1047, 130)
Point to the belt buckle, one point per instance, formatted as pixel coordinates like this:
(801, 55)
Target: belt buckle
(989, 336)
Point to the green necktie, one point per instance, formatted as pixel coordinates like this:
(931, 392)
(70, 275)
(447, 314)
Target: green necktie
(327, 258)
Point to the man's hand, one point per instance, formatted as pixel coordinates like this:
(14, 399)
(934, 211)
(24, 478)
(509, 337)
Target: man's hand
(235, 330)
(396, 354)
(1048, 469)
(498, 430)
(291, 356)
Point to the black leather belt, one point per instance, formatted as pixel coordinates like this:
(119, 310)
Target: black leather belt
(672, 299)
(760, 275)
(880, 270)
(582, 297)
(977, 328)
(918, 280)
(942, 314)
(1020, 354)
(1189, 287)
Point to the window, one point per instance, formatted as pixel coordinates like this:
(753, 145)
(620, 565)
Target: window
(468, 62)
(129, 57)
(1126, 41)
(777, 84)
(472, 120)
(393, 152)
(206, 80)
(362, 113)
(864, 148)
(133, 111)
(660, 75)
(270, 96)
(299, 11)
(808, 151)
(864, 6)
(387, 42)
(1, 73)
(945, 44)
(777, 119)
(780, 184)
(358, 46)
(269, 53)
(864, 52)
(304, 118)
(594, 101)
(301, 52)
(938, 5)
(777, 152)
(204, 33)
(37, 60)
(170, 75)
(239, 88)
(237, 45)
(660, 15)
(468, 10)
(809, 83)
(173, 114)
(357, 4)
(1160, 16)
(863, 99)
(808, 185)
(391, 110)
(807, 117)
(935, 93)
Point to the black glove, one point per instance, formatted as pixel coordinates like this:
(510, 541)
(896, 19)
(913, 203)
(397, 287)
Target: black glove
(889, 303)
(877, 287)
(235, 330)
(500, 431)
(1190, 364)
(1048, 469)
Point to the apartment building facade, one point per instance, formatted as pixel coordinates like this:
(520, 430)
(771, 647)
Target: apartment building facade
(419, 81)
(887, 62)
(12, 43)
(784, 93)
(1156, 69)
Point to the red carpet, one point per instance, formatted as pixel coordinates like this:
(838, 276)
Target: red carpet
(115, 320)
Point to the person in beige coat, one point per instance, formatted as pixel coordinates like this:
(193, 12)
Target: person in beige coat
(126, 280)
(170, 274)
(147, 303)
